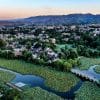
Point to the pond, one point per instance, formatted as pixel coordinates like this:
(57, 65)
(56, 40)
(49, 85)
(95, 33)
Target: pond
(36, 81)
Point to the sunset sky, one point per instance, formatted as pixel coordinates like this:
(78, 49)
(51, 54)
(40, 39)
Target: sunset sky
(25, 8)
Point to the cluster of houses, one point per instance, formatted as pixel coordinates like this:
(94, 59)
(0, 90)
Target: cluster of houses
(12, 36)
(13, 44)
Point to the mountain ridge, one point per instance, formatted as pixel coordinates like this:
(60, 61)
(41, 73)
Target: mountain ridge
(60, 19)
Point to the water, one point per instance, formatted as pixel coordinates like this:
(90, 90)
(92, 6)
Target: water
(30, 80)
(36, 81)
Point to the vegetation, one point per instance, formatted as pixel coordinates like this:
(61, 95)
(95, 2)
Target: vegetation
(2, 43)
(64, 65)
(87, 62)
(63, 46)
(50, 47)
(6, 76)
(87, 52)
(60, 81)
(8, 54)
(88, 91)
(39, 94)
(97, 69)
(11, 94)
(7, 93)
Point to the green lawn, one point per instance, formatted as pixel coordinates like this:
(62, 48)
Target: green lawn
(57, 80)
(97, 69)
(62, 46)
(6, 76)
(88, 91)
(39, 94)
(87, 62)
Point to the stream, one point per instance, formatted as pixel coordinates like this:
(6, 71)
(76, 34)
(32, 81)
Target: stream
(36, 81)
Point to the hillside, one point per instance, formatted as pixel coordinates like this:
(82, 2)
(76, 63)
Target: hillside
(58, 19)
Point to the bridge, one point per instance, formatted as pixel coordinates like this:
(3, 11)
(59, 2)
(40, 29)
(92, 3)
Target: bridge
(14, 86)
(87, 74)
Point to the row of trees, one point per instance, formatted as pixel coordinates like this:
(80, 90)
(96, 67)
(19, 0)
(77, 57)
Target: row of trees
(61, 64)
(7, 54)
(87, 52)
(65, 65)
(68, 54)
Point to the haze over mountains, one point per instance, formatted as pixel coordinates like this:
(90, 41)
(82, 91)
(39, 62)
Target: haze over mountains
(57, 19)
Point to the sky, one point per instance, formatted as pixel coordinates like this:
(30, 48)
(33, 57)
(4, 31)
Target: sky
(25, 8)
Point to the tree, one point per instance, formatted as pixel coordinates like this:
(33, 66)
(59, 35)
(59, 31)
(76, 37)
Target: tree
(11, 94)
(2, 43)
(67, 66)
(28, 45)
(58, 64)
(27, 55)
(73, 54)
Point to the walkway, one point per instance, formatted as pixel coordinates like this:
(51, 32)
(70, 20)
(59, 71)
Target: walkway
(88, 74)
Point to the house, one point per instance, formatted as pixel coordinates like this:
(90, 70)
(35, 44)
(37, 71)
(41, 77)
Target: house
(53, 40)
(18, 51)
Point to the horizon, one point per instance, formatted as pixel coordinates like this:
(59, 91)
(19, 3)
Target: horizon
(16, 9)
(45, 15)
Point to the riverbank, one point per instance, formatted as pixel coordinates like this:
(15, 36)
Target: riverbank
(6, 76)
(87, 62)
(39, 94)
(97, 69)
(33, 81)
(56, 80)
(88, 91)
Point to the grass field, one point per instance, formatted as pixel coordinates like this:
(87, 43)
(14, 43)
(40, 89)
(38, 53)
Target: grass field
(57, 80)
(39, 94)
(6, 76)
(88, 91)
(87, 62)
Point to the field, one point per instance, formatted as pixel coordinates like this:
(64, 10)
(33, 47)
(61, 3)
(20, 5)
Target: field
(6, 76)
(88, 91)
(87, 62)
(57, 80)
(39, 94)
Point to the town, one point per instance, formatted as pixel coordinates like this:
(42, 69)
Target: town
(48, 49)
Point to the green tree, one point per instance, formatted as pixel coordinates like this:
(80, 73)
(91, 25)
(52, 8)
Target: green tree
(27, 55)
(2, 43)
(58, 64)
(67, 66)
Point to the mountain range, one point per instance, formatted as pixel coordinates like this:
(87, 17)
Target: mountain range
(57, 19)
